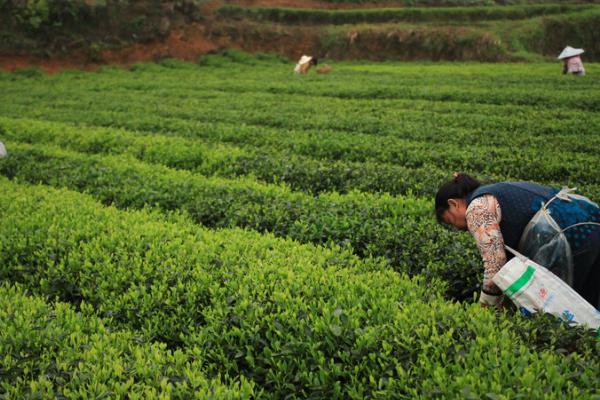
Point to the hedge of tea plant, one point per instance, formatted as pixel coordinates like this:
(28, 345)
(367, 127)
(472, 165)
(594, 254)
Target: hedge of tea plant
(315, 136)
(393, 15)
(52, 351)
(418, 169)
(211, 191)
(285, 319)
(400, 229)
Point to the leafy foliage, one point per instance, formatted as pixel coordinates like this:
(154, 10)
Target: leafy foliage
(386, 15)
(293, 320)
(52, 351)
(249, 233)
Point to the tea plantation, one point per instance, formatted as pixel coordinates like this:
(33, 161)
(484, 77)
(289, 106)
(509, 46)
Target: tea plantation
(228, 230)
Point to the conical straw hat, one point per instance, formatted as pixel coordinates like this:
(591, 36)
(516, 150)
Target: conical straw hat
(304, 59)
(570, 52)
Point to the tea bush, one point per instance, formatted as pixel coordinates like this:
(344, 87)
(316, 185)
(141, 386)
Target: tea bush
(49, 350)
(372, 225)
(292, 320)
(245, 232)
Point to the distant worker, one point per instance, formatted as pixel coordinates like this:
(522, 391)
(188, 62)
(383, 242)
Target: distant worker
(571, 61)
(2, 150)
(304, 64)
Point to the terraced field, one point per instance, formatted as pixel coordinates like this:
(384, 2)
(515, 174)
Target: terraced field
(230, 230)
(382, 30)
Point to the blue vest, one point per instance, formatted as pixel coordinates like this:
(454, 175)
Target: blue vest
(519, 201)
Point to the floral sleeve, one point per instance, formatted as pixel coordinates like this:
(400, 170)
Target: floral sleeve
(483, 221)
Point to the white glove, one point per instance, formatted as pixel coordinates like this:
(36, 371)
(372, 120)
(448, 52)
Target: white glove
(490, 300)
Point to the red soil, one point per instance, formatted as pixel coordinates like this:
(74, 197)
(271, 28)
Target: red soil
(185, 44)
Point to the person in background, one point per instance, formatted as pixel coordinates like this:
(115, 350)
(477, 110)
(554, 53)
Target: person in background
(2, 150)
(572, 63)
(304, 64)
(497, 214)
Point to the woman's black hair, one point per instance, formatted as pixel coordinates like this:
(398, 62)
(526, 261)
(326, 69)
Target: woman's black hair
(314, 60)
(458, 188)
